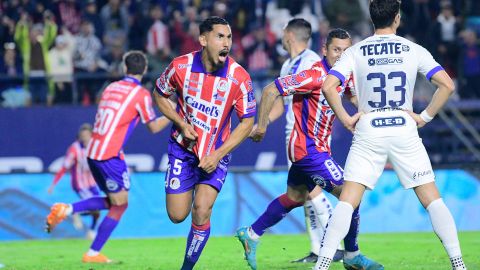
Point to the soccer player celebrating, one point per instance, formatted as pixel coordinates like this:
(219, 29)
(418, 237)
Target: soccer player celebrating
(122, 105)
(209, 85)
(308, 150)
(81, 177)
(384, 68)
(317, 208)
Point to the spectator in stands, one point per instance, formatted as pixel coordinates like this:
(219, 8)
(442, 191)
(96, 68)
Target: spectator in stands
(7, 28)
(158, 41)
(470, 65)
(443, 39)
(68, 14)
(61, 61)
(33, 43)
(115, 19)
(87, 60)
(257, 53)
(346, 14)
(90, 14)
(11, 69)
(114, 61)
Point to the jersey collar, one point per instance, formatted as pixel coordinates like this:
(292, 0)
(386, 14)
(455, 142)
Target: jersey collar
(325, 64)
(197, 66)
(132, 80)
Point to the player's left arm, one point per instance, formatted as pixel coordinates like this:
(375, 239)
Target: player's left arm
(245, 107)
(437, 75)
(270, 93)
(445, 88)
(209, 163)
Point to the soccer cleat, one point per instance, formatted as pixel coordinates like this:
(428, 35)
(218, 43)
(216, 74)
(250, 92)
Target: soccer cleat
(249, 245)
(310, 258)
(360, 262)
(57, 214)
(99, 258)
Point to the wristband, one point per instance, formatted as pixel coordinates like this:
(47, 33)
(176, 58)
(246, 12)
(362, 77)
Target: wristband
(425, 116)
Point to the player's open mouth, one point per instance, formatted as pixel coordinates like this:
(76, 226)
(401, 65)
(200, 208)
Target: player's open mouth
(222, 56)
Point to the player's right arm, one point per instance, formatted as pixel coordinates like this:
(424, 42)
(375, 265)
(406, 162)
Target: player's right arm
(67, 164)
(164, 88)
(270, 93)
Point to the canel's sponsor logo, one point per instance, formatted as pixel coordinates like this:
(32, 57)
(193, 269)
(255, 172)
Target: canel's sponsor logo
(205, 108)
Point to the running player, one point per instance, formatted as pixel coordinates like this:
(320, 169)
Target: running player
(317, 208)
(122, 105)
(384, 68)
(209, 86)
(308, 150)
(81, 177)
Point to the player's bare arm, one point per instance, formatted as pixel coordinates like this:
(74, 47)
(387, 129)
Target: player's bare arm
(270, 93)
(277, 111)
(158, 124)
(166, 109)
(334, 100)
(445, 89)
(209, 163)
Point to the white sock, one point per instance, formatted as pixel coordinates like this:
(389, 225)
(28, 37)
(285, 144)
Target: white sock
(444, 226)
(337, 229)
(69, 210)
(252, 234)
(317, 213)
(351, 254)
(92, 252)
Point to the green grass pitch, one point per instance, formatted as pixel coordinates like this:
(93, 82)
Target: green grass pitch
(396, 251)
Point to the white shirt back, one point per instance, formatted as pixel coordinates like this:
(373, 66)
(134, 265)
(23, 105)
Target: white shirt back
(301, 62)
(385, 69)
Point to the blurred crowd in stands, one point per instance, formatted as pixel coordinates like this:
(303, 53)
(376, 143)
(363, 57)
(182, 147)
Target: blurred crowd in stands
(65, 51)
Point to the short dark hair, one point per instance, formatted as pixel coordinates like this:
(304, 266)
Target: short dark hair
(301, 28)
(135, 61)
(208, 23)
(383, 12)
(337, 33)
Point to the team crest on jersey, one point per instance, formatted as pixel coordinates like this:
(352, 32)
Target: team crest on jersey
(111, 185)
(405, 48)
(222, 86)
(319, 180)
(174, 183)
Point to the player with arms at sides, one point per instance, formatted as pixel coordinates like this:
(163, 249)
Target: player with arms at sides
(82, 180)
(308, 150)
(209, 85)
(123, 104)
(384, 68)
(317, 208)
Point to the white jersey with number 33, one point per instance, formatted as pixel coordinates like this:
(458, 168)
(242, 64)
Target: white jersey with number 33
(385, 69)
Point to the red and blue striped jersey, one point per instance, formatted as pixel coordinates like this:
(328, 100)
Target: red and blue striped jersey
(207, 100)
(122, 105)
(313, 116)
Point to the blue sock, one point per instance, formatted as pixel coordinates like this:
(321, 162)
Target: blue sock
(275, 212)
(104, 231)
(91, 204)
(350, 241)
(196, 241)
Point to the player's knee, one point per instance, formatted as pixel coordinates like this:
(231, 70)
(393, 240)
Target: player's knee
(116, 211)
(176, 217)
(201, 213)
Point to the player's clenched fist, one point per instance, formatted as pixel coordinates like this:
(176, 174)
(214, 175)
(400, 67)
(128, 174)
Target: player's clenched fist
(258, 133)
(189, 132)
(209, 163)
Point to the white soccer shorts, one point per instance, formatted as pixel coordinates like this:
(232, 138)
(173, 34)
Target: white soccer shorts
(374, 145)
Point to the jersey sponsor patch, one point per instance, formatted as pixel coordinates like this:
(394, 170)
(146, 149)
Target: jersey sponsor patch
(333, 169)
(394, 121)
(174, 183)
(111, 185)
(421, 174)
